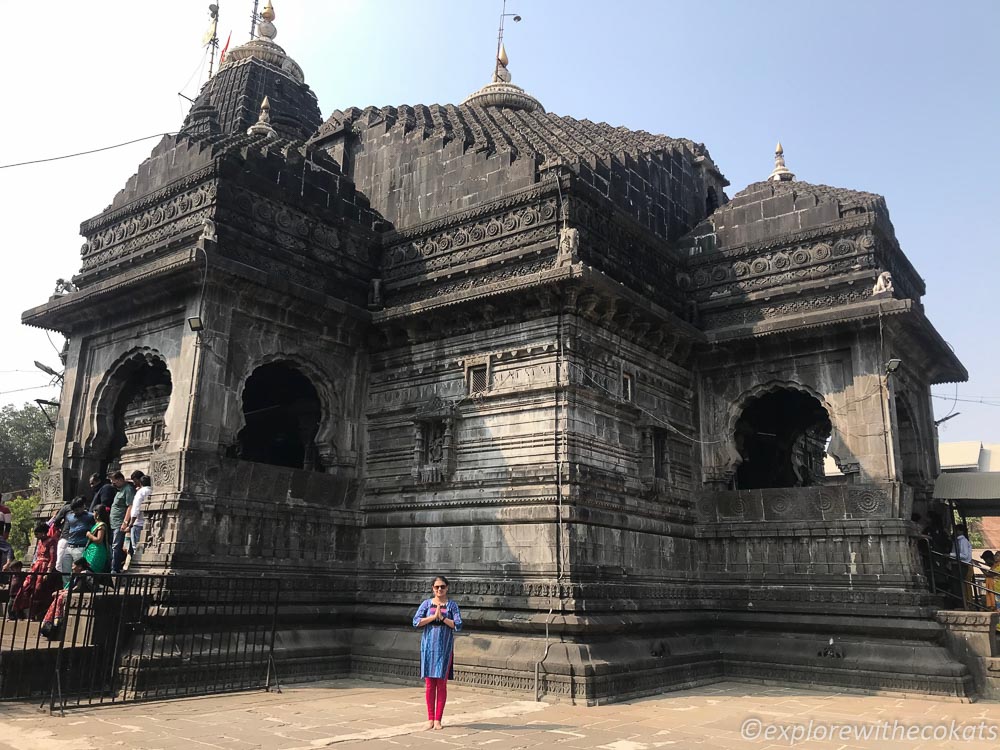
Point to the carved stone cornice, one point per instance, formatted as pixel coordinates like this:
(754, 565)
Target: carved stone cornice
(514, 199)
(111, 216)
(847, 224)
(182, 212)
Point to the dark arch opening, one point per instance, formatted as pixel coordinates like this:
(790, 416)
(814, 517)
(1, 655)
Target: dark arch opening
(781, 437)
(711, 201)
(910, 454)
(138, 413)
(282, 412)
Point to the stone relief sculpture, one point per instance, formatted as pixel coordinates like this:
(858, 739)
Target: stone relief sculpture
(884, 284)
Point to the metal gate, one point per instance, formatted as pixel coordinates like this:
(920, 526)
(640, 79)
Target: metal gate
(139, 637)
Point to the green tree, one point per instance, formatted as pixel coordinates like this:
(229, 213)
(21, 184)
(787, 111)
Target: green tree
(22, 511)
(25, 438)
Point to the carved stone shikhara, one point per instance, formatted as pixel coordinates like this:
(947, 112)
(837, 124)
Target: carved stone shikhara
(627, 313)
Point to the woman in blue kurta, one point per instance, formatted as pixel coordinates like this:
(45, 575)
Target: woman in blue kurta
(440, 619)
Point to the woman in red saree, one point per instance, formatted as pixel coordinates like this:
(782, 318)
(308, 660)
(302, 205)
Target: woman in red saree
(36, 591)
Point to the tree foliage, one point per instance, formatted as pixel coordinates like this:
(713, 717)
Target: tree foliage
(22, 511)
(25, 438)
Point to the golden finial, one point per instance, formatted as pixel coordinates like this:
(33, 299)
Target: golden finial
(780, 172)
(265, 28)
(502, 57)
(263, 124)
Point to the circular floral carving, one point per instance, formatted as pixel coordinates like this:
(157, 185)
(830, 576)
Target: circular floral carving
(801, 257)
(493, 228)
(443, 242)
(144, 223)
(477, 233)
(529, 218)
(825, 501)
(283, 219)
(719, 273)
(867, 241)
(760, 265)
(170, 210)
(185, 203)
(867, 501)
(780, 261)
(548, 211)
(199, 198)
(821, 251)
(779, 504)
(461, 238)
(700, 277)
(740, 269)
(510, 222)
(843, 247)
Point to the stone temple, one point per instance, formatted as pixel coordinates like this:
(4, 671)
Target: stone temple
(548, 357)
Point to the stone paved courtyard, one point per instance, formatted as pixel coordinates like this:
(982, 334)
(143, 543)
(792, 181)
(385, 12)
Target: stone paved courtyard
(360, 714)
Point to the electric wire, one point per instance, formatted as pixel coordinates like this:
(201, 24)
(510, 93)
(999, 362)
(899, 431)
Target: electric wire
(84, 153)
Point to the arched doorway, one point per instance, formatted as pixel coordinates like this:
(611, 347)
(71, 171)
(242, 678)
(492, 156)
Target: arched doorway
(282, 413)
(137, 417)
(781, 438)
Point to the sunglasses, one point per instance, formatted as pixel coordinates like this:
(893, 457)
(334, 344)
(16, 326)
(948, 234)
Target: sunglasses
(440, 587)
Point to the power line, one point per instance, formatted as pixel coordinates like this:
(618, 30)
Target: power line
(983, 401)
(84, 153)
(19, 390)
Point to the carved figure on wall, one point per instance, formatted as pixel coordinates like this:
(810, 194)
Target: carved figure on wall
(884, 284)
(569, 245)
(63, 287)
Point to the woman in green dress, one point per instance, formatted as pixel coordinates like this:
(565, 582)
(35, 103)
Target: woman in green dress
(96, 553)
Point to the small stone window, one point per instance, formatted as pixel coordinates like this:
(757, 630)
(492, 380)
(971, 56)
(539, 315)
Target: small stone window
(628, 385)
(478, 379)
(661, 455)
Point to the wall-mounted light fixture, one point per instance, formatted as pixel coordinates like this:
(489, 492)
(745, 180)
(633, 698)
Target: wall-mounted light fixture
(196, 324)
(892, 365)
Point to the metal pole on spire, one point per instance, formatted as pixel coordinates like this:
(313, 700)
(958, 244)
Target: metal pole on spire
(503, 14)
(253, 20)
(213, 42)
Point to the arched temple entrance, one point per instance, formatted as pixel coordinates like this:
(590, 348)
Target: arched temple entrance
(132, 423)
(282, 412)
(781, 436)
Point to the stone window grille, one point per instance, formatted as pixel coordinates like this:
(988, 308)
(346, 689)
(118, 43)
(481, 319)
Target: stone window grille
(478, 379)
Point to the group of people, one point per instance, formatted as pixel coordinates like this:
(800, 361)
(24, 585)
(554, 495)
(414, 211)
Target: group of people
(953, 569)
(84, 539)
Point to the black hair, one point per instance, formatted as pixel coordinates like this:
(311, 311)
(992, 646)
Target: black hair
(96, 478)
(41, 529)
(78, 502)
(439, 578)
(137, 474)
(118, 475)
(146, 481)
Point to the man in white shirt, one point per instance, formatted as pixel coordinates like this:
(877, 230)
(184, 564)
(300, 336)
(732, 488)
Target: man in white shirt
(963, 552)
(132, 524)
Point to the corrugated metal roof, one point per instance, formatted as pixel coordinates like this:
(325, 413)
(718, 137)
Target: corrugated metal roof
(975, 485)
(964, 455)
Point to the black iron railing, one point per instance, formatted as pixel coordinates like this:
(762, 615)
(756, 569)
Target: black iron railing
(136, 637)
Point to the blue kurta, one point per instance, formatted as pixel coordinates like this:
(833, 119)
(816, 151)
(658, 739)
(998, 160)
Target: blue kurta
(437, 642)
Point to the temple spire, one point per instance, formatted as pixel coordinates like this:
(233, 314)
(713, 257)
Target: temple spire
(780, 173)
(263, 124)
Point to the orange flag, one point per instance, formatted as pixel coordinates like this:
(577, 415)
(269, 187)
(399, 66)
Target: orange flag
(225, 48)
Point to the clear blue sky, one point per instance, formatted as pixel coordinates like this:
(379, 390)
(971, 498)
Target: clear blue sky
(898, 98)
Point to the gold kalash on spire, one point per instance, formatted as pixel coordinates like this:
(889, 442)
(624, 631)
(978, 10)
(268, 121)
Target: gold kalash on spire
(501, 92)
